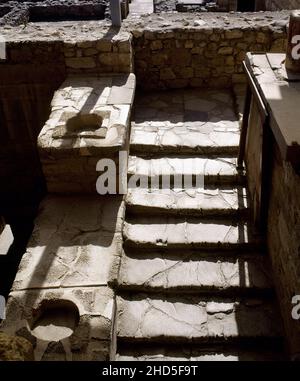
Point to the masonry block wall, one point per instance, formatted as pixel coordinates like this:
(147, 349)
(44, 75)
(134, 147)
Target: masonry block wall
(275, 5)
(283, 234)
(37, 63)
(169, 53)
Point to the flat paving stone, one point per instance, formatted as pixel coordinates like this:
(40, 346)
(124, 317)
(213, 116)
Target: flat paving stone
(74, 242)
(189, 121)
(202, 201)
(188, 233)
(187, 319)
(189, 272)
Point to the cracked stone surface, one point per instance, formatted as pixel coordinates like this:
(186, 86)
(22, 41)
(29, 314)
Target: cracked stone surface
(202, 121)
(89, 121)
(191, 318)
(185, 232)
(193, 201)
(91, 336)
(191, 272)
(214, 170)
(74, 242)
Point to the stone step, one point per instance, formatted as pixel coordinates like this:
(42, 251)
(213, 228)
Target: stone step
(220, 201)
(189, 233)
(184, 140)
(189, 273)
(216, 170)
(186, 121)
(167, 319)
(158, 352)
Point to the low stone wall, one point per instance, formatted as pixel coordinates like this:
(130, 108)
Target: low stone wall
(283, 235)
(174, 51)
(284, 242)
(283, 220)
(275, 5)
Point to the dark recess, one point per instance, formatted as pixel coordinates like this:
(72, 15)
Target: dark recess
(4, 10)
(66, 12)
(246, 6)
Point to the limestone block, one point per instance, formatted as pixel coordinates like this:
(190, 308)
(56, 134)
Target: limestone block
(195, 319)
(188, 233)
(81, 63)
(197, 202)
(74, 243)
(89, 120)
(191, 272)
(71, 324)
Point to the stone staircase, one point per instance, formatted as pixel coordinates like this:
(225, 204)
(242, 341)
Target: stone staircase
(194, 281)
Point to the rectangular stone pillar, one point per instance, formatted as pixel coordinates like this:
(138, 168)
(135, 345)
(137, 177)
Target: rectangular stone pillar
(115, 11)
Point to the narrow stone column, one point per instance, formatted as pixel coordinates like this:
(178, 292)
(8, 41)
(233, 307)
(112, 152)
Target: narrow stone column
(293, 49)
(115, 12)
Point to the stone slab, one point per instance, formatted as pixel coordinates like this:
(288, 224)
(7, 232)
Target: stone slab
(281, 95)
(186, 319)
(89, 121)
(188, 121)
(91, 336)
(74, 243)
(180, 232)
(197, 202)
(215, 170)
(189, 272)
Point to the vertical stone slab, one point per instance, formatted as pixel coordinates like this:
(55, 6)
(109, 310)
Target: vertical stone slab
(115, 11)
(293, 48)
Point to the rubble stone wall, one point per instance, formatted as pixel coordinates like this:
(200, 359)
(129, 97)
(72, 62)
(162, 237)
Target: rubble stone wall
(275, 5)
(185, 51)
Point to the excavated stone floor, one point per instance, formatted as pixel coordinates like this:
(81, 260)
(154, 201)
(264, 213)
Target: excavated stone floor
(194, 281)
(169, 273)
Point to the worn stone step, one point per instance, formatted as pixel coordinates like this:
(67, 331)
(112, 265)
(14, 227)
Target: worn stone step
(189, 232)
(195, 319)
(184, 140)
(186, 121)
(214, 170)
(157, 352)
(207, 201)
(190, 273)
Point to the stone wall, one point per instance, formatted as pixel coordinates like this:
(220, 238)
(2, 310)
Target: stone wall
(284, 242)
(38, 61)
(283, 222)
(174, 51)
(275, 5)
(283, 235)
